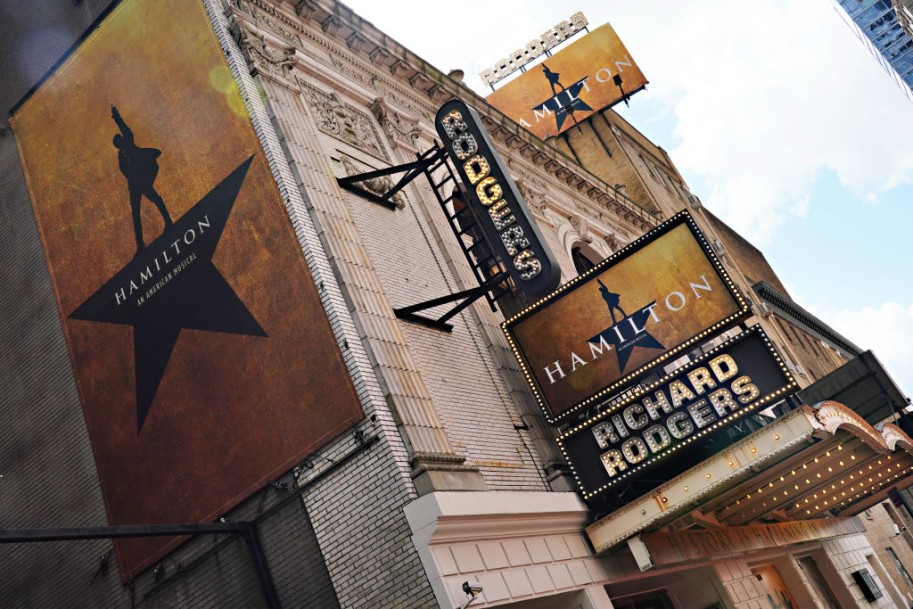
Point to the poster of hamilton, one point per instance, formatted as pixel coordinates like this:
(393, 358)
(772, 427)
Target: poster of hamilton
(635, 309)
(203, 357)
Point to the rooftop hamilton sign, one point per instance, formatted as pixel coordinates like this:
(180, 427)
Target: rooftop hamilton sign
(587, 76)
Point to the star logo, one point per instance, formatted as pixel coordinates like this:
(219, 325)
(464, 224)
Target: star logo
(565, 102)
(173, 284)
(628, 332)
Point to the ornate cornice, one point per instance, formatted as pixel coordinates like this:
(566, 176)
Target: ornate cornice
(410, 77)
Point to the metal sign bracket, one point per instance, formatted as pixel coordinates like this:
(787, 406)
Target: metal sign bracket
(466, 298)
(410, 171)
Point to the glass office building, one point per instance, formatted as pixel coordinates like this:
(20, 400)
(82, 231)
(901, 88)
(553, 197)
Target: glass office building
(876, 24)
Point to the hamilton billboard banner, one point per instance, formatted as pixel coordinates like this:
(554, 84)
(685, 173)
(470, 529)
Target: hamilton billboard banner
(202, 354)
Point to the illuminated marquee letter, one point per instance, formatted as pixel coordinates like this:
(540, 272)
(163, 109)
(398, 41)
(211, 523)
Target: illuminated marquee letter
(514, 240)
(657, 438)
(722, 401)
(476, 168)
(658, 401)
(605, 435)
(746, 390)
(680, 393)
(724, 367)
(701, 380)
(453, 124)
(489, 191)
(464, 146)
(629, 447)
(526, 263)
(613, 462)
(500, 215)
(637, 422)
(680, 425)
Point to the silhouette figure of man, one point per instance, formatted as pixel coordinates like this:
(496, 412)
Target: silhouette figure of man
(613, 300)
(552, 79)
(140, 167)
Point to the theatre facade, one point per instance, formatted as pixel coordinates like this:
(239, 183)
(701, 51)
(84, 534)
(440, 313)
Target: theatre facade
(290, 281)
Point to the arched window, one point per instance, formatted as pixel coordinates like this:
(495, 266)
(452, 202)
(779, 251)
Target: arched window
(582, 262)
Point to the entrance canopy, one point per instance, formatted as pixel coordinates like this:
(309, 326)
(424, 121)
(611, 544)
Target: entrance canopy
(815, 462)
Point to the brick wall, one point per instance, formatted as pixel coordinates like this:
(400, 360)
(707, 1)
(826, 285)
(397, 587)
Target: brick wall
(356, 510)
(742, 586)
(49, 477)
(879, 530)
(848, 554)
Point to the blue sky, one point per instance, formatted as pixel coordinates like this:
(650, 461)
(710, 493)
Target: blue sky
(777, 117)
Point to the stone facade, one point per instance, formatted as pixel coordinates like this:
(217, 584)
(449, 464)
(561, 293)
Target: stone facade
(453, 475)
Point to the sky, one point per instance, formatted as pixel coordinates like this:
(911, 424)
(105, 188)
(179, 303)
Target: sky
(776, 115)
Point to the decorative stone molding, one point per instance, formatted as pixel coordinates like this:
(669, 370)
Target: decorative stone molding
(343, 121)
(331, 25)
(376, 185)
(601, 248)
(611, 240)
(420, 81)
(548, 215)
(380, 56)
(271, 19)
(399, 128)
(895, 438)
(305, 8)
(357, 42)
(263, 58)
(581, 225)
(444, 471)
(439, 94)
(399, 67)
(269, 15)
(834, 416)
(532, 195)
(567, 234)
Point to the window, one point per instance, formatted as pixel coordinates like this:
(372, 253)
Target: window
(651, 600)
(581, 262)
(899, 566)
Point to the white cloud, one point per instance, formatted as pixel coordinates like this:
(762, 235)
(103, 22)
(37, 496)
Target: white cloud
(767, 95)
(887, 330)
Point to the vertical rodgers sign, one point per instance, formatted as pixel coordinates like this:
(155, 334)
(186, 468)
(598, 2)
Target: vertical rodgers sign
(494, 199)
(591, 74)
(204, 360)
(598, 333)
